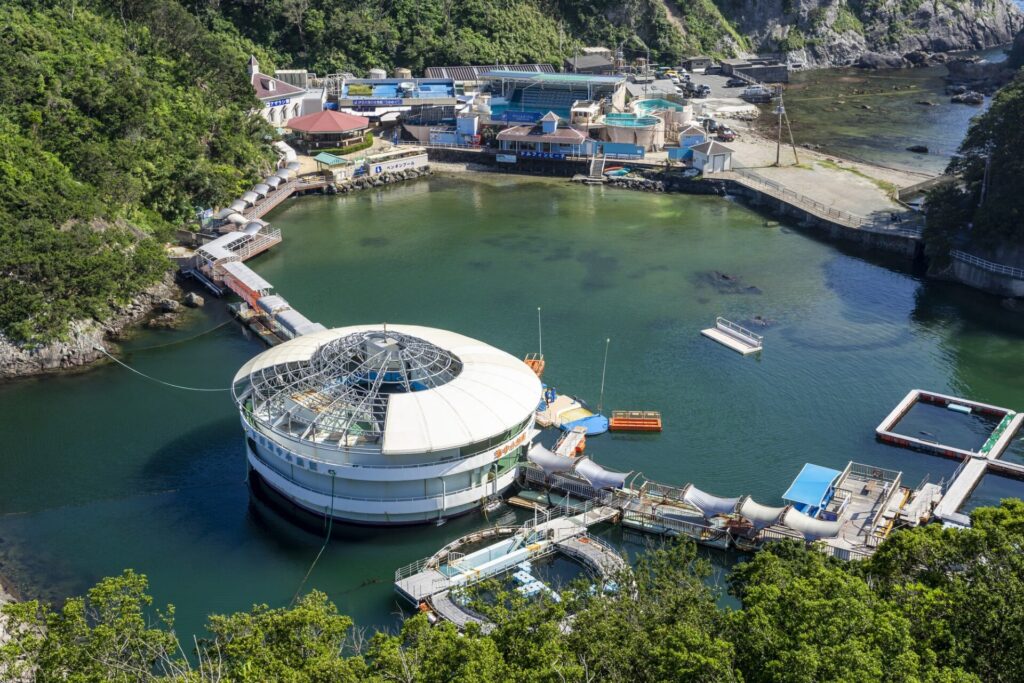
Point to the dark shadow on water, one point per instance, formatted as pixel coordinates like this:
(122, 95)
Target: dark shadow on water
(600, 269)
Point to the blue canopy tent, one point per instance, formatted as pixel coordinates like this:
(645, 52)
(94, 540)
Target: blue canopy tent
(812, 489)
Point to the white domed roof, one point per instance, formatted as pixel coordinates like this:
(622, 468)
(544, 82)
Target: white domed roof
(402, 388)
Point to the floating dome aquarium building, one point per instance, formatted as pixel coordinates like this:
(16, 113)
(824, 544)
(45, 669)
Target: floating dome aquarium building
(386, 424)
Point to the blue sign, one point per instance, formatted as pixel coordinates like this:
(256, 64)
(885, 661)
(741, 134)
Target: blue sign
(542, 155)
(279, 103)
(622, 149)
(522, 116)
(376, 102)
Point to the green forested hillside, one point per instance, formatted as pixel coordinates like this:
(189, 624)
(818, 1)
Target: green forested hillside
(933, 605)
(990, 196)
(113, 127)
(339, 35)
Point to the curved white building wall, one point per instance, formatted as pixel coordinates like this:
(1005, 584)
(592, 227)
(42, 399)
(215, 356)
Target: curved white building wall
(442, 450)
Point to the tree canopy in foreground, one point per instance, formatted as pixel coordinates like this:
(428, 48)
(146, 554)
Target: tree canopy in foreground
(933, 605)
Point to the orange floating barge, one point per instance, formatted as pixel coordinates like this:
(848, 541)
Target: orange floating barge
(635, 421)
(536, 363)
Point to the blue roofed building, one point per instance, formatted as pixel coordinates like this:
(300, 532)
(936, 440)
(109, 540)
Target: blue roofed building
(812, 490)
(519, 97)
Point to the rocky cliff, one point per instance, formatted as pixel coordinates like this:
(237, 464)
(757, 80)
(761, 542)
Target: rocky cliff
(872, 33)
(78, 346)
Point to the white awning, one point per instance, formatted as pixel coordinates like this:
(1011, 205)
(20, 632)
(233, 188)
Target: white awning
(759, 515)
(273, 181)
(247, 276)
(238, 205)
(236, 218)
(294, 321)
(710, 505)
(273, 303)
(221, 247)
(261, 189)
(550, 462)
(811, 528)
(599, 477)
(250, 197)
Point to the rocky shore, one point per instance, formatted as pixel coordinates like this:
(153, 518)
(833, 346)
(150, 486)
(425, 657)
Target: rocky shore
(368, 182)
(78, 348)
(882, 34)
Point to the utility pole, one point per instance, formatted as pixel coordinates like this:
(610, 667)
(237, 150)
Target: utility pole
(780, 110)
(985, 176)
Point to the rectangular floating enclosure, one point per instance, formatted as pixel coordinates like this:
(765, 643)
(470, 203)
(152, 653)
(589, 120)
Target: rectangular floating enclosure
(635, 421)
(1007, 425)
(737, 338)
(974, 464)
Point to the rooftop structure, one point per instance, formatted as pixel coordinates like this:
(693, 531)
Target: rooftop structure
(472, 75)
(523, 97)
(281, 100)
(329, 128)
(386, 424)
(589, 64)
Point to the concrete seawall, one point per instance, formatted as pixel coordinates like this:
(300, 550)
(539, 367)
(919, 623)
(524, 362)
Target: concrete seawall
(655, 178)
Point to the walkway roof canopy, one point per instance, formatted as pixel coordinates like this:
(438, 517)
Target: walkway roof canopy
(246, 275)
(331, 159)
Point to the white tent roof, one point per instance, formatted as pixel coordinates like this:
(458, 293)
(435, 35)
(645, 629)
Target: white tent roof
(811, 528)
(599, 477)
(250, 197)
(218, 248)
(710, 505)
(493, 393)
(550, 462)
(238, 205)
(759, 515)
(246, 275)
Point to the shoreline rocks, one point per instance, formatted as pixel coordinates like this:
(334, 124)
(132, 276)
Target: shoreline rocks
(368, 182)
(77, 349)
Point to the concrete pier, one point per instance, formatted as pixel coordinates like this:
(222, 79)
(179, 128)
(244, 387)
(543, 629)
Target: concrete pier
(974, 465)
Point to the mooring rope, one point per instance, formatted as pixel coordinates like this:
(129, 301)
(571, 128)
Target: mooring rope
(327, 538)
(182, 341)
(154, 379)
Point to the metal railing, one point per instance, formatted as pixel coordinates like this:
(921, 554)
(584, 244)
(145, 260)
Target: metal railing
(787, 194)
(990, 266)
(739, 331)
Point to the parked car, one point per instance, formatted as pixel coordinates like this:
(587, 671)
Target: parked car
(726, 134)
(735, 83)
(710, 125)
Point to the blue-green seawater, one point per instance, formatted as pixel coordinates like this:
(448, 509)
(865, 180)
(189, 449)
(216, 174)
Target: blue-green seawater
(102, 470)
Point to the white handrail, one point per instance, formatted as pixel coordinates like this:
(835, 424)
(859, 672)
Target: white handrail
(991, 266)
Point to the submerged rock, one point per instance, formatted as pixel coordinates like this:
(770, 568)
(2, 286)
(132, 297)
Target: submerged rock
(193, 300)
(918, 149)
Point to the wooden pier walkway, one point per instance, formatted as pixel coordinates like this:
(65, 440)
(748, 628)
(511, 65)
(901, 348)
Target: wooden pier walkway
(429, 577)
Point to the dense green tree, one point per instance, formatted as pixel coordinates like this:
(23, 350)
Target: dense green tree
(932, 605)
(115, 124)
(986, 207)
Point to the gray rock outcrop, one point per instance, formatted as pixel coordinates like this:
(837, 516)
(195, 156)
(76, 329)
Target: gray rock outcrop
(880, 34)
(78, 346)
